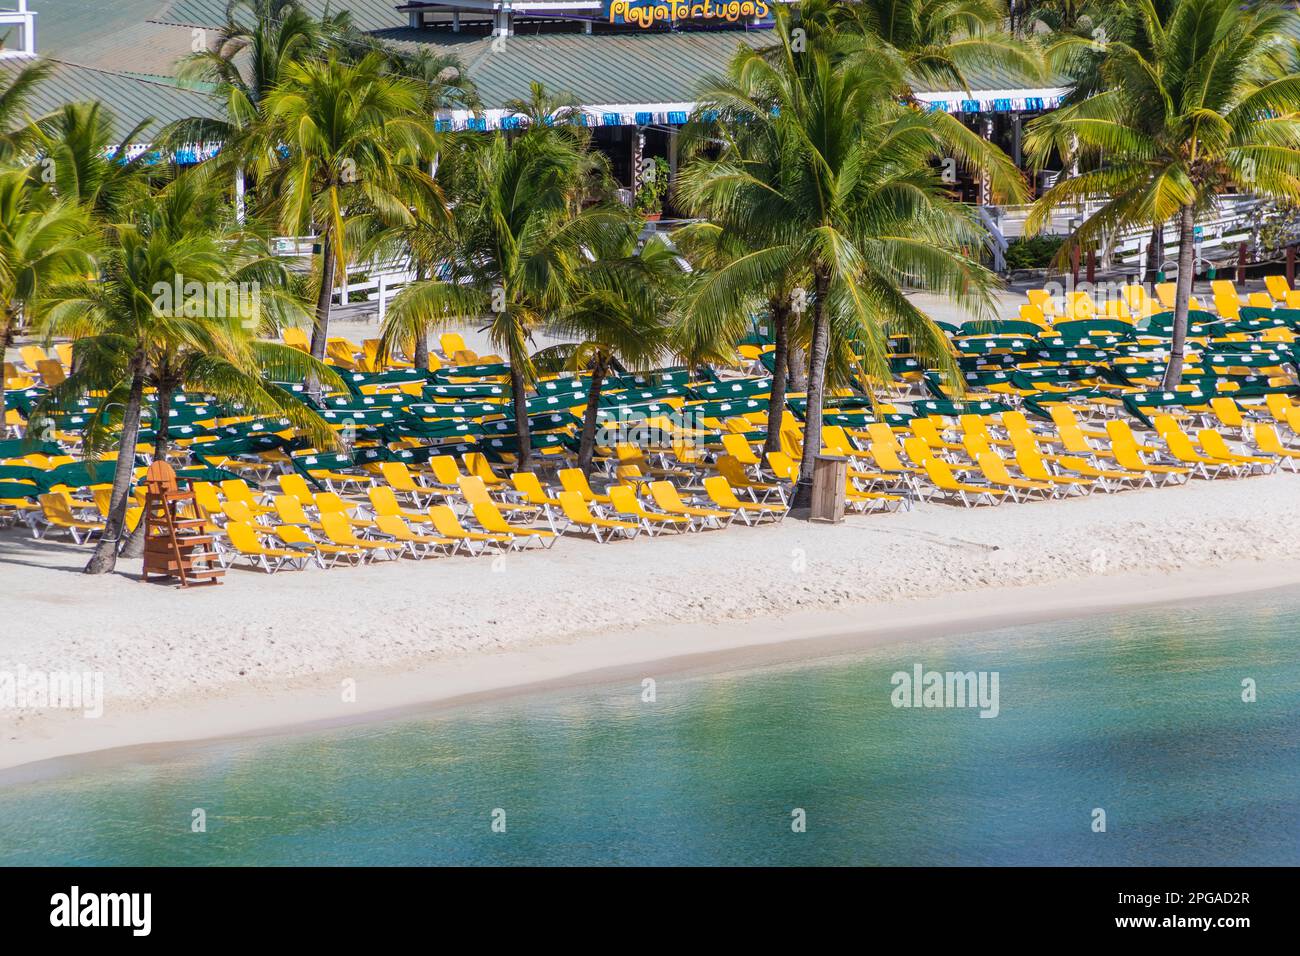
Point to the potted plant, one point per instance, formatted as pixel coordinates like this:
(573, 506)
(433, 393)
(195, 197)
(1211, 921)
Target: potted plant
(650, 196)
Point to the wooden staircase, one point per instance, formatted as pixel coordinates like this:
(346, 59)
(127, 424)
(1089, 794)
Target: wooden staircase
(175, 544)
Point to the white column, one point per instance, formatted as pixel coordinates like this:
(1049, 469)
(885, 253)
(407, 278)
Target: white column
(239, 195)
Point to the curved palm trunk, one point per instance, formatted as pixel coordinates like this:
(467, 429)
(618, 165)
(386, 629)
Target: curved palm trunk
(587, 447)
(6, 340)
(105, 557)
(320, 330)
(780, 357)
(812, 429)
(1182, 295)
(134, 547)
(519, 396)
(420, 351)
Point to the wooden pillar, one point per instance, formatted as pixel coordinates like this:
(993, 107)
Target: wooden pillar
(1290, 267)
(1241, 262)
(1074, 264)
(1092, 265)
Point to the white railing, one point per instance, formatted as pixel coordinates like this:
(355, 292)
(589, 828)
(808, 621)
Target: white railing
(1233, 221)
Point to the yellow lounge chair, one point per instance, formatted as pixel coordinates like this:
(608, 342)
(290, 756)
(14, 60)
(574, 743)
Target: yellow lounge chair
(300, 540)
(1110, 479)
(448, 525)
(944, 483)
(56, 511)
(1182, 449)
(1214, 445)
(995, 470)
(626, 505)
(384, 502)
(336, 528)
(327, 502)
(665, 495)
(1267, 441)
(475, 492)
(1128, 456)
(572, 479)
(236, 489)
(1033, 466)
(243, 542)
(579, 516)
(751, 512)
(490, 519)
(402, 482)
(289, 510)
(296, 486)
(415, 544)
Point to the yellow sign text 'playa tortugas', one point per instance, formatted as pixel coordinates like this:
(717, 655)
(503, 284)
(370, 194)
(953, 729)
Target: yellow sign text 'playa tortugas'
(662, 11)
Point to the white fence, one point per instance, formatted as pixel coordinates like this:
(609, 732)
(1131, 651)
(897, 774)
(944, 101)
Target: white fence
(1220, 233)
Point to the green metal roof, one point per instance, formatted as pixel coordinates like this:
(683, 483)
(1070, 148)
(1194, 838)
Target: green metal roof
(130, 99)
(366, 14)
(64, 27)
(125, 53)
(600, 68)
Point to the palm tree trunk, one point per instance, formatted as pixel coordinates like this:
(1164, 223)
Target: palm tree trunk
(519, 396)
(1155, 253)
(780, 358)
(134, 547)
(105, 557)
(420, 351)
(812, 427)
(6, 340)
(320, 331)
(1182, 295)
(587, 447)
(796, 364)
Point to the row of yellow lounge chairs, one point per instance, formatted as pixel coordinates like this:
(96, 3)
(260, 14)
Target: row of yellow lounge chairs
(1134, 302)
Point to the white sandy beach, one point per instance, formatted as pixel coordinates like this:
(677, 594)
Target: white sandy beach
(260, 652)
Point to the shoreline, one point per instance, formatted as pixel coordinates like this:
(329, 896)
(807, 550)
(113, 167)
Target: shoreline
(162, 731)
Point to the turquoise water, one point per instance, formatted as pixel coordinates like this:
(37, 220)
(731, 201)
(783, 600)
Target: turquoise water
(1138, 714)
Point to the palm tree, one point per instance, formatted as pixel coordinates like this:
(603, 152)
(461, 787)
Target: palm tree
(82, 159)
(1200, 102)
(15, 124)
(414, 234)
(939, 42)
(252, 52)
(845, 187)
(332, 136)
(44, 241)
(732, 235)
(621, 315)
(135, 334)
(520, 224)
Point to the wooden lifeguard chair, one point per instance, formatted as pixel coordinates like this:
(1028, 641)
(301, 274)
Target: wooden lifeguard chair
(175, 543)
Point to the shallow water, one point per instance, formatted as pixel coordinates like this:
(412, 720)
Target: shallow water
(1138, 714)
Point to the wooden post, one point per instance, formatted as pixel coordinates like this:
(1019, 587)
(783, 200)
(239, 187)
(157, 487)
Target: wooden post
(1092, 266)
(1290, 267)
(830, 481)
(1241, 262)
(1074, 264)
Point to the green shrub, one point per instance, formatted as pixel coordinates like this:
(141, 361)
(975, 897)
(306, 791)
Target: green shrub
(1033, 253)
